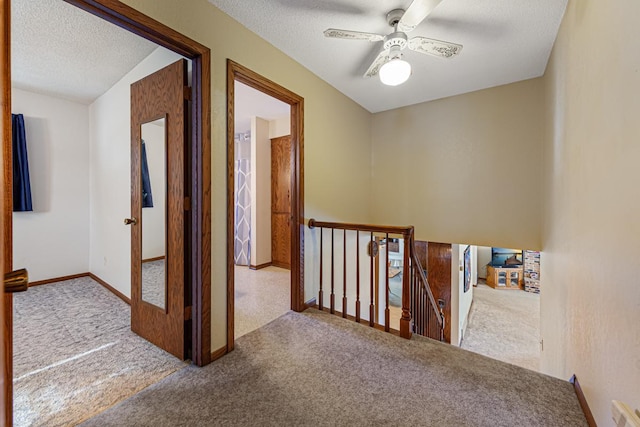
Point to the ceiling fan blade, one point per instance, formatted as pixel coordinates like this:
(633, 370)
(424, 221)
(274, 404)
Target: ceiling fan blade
(434, 47)
(377, 63)
(352, 35)
(417, 12)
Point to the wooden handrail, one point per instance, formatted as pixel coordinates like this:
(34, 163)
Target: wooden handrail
(416, 292)
(361, 227)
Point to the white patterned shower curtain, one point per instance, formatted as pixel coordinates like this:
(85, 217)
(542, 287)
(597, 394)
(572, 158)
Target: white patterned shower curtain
(242, 241)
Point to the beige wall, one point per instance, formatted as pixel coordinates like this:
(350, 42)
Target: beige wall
(337, 133)
(590, 299)
(454, 168)
(261, 192)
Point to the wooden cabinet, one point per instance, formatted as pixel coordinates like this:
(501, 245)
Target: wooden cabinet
(505, 278)
(281, 202)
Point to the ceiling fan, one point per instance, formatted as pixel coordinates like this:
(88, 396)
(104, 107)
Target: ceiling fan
(393, 70)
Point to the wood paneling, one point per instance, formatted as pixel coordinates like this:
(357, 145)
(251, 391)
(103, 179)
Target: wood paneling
(421, 253)
(157, 95)
(439, 277)
(281, 201)
(236, 72)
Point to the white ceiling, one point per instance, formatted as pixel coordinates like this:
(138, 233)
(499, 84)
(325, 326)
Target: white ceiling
(249, 102)
(61, 50)
(504, 41)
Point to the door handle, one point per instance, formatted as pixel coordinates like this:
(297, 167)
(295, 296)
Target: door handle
(16, 281)
(130, 221)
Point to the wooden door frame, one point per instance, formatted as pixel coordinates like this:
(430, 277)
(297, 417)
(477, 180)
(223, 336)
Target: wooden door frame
(237, 72)
(199, 185)
(6, 301)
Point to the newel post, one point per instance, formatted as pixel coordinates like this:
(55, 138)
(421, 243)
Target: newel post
(405, 320)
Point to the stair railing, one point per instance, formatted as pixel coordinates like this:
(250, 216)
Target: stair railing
(419, 315)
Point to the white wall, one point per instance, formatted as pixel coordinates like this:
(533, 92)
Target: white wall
(260, 192)
(590, 300)
(110, 177)
(461, 300)
(280, 127)
(484, 258)
(153, 218)
(53, 240)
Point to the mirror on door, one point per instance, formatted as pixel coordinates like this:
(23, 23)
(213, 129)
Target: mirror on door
(153, 167)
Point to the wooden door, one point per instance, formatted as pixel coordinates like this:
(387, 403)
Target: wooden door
(159, 315)
(281, 202)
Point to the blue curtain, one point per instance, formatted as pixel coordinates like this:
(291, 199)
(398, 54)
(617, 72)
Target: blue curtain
(147, 198)
(21, 183)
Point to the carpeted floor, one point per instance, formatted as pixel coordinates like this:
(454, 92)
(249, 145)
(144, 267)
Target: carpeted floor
(317, 369)
(154, 288)
(505, 325)
(260, 297)
(75, 354)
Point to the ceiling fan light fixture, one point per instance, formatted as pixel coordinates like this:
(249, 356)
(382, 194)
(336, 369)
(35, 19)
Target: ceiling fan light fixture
(395, 72)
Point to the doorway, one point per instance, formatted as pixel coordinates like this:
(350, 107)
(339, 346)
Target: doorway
(503, 311)
(294, 218)
(198, 181)
(262, 214)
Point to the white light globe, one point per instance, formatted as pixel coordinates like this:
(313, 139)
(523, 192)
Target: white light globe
(395, 72)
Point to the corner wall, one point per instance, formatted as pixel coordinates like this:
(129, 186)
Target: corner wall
(590, 296)
(455, 168)
(53, 240)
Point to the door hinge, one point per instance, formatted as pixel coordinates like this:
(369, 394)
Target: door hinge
(187, 313)
(187, 203)
(187, 93)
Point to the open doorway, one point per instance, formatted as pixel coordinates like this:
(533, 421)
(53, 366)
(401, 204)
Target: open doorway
(81, 156)
(262, 212)
(502, 317)
(265, 201)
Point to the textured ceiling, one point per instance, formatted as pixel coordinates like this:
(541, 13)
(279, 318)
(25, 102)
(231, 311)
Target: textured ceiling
(249, 102)
(60, 50)
(504, 41)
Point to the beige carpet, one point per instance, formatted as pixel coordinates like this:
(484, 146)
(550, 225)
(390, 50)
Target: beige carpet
(75, 354)
(260, 297)
(316, 369)
(505, 325)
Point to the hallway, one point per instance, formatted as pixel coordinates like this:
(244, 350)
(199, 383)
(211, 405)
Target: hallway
(317, 369)
(505, 325)
(260, 297)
